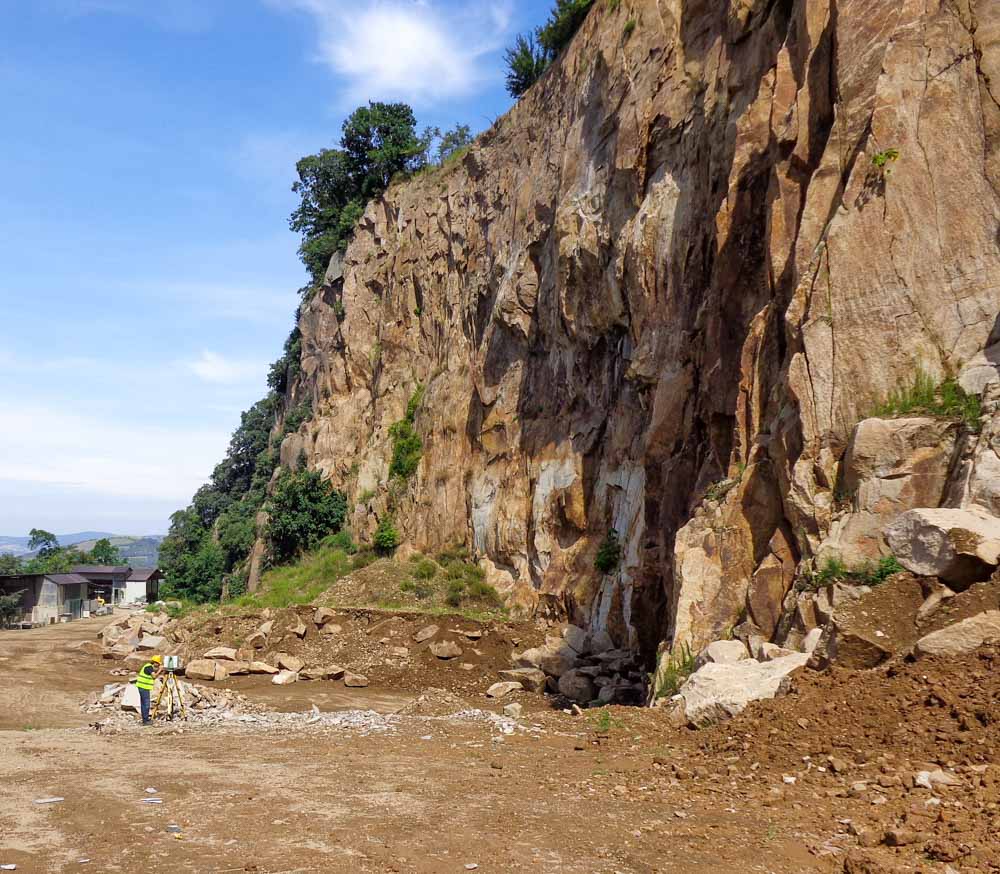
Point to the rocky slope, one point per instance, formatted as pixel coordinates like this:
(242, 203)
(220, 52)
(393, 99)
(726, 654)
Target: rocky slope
(659, 296)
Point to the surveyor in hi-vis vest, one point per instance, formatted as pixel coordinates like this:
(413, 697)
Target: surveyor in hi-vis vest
(145, 683)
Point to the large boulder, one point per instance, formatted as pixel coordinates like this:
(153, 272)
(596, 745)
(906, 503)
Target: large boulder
(531, 679)
(355, 681)
(323, 615)
(262, 668)
(257, 640)
(555, 657)
(200, 669)
(962, 637)
(425, 633)
(890, 466)
(285, 678)
(224, 653)
(501, 690)
(151, 642)
(577, 687)
(717, 691)
(959, 546)
(130, 698)
(446, 649)
(289, 662)
(722, 652)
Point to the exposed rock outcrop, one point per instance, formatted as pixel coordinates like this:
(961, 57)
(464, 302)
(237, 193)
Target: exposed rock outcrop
(657, 297)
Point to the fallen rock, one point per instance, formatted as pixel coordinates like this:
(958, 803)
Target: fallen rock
(323, 615)
(811, 641)
(577, 638)
(267, 627)
(262, 668)
(501, 690)
(151, 642)
(200, 669)
(400, 652)
(285, 678)
(331, 629)
(289, 662)
(513, 710)
(300, 630)
(446, 649)
(237, 668)
(257, 640)
(768, 652)
(962, 637)
(224, 653)
(600, 641)
(130, 698)
(716, 692)
(333, 672)
(959, 546)
(425, 633)
(555, 658)
(722, 652)
(355, 681)
(577, 687)
(530, 679)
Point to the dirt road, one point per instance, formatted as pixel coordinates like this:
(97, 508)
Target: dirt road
(427, 795)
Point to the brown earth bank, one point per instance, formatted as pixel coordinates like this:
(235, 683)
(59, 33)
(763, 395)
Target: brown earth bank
(819, 781)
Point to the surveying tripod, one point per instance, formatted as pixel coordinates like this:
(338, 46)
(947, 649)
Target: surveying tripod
(171, 688)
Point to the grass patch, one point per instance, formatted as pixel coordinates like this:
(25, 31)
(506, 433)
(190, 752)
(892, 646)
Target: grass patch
(425, 569)
(302, 582)
(467, 584)
(602, 722)
(947, 400)
(366, 496)
(452, 554)
(362, 559)
(629, 28)
(673, 670)
(833, 570)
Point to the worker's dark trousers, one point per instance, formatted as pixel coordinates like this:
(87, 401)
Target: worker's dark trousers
(144, 704)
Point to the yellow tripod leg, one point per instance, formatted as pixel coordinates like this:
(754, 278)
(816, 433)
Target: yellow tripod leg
(159, 698)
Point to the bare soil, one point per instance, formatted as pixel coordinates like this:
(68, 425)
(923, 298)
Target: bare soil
(619, 790)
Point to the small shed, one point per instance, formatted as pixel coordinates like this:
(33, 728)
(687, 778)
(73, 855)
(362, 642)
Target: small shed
(107, 581)
(143, 582)
(48, 598)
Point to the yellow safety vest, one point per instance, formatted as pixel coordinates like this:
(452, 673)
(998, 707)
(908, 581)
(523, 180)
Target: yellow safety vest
(145, 678)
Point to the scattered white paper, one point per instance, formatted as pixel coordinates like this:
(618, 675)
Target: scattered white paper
(150, 790)
(8, 867)
(52, 800)
(152, 800)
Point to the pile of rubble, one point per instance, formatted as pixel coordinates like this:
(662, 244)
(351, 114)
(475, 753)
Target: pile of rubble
(284, 668)
(120, 701)
(132, 639)
(582, 667)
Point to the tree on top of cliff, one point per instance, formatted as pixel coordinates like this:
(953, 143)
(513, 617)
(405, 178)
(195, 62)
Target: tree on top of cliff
(526, 62)
(377, 142)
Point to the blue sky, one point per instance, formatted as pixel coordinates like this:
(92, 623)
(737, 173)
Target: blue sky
(147, 276)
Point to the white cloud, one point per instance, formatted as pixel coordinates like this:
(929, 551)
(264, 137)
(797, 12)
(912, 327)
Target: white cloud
(215, 368)
(47, 446)
(417, 51)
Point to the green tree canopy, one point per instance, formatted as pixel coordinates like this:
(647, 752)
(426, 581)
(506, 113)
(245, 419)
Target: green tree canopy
(303, 509)
(9, 563)
(43, 542)
(525, 65)
(104, 553)
(377, 142)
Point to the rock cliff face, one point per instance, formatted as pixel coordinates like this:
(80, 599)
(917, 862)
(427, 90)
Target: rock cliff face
(659, 295)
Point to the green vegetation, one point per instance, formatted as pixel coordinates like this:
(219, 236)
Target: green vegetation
(386, 536)
(833, 570)
(51, 558)
(466, 584)
(673, 670)
(407, 446)
(609, 553)
(425, 569)
(531, 55)
(366, 496)
(602, 722)
(882, 161)
(948, 400)
(629, 28)
(10, 607)
(298, 417)
(9, 563)
(525, 64)
(303, 509)
(302, 582)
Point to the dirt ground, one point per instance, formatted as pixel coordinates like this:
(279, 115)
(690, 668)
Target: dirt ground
(610, 791)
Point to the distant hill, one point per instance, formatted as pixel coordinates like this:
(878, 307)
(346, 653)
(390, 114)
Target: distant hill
(137, 551)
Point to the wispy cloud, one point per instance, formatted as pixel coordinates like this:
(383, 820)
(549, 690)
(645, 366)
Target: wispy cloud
(418, 51)
(45, 445)
(215, 368)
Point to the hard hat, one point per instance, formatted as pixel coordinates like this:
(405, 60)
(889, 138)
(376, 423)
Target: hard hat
(157, 658)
